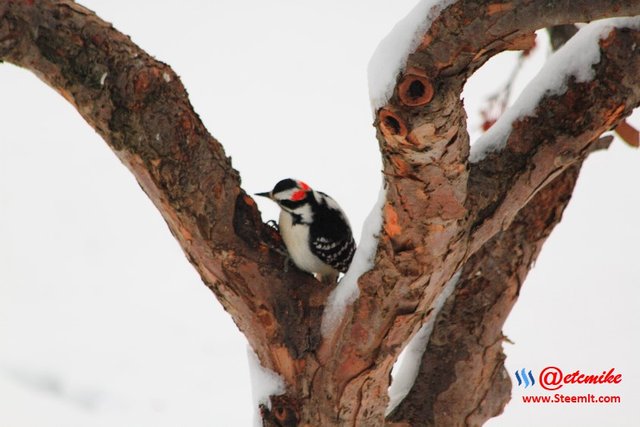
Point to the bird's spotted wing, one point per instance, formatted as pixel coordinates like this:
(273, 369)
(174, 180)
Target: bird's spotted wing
(330, 234)
(337, 253)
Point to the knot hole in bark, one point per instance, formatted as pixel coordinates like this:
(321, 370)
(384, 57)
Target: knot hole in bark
(391, 124)
(415, 90)
(283, 412)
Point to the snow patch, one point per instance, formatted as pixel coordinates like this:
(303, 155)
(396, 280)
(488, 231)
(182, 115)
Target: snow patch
(390, 57)
(575, 58)
(406, 368)
(347, 290)
(264, 383)
(103, 78)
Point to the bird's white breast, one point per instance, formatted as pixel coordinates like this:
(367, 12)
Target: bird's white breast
(296, 238)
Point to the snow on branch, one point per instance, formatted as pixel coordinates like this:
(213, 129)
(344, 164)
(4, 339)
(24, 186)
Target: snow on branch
(264, 383)
(406, 369)
(390, 57)
(347, 290)
(574, 59)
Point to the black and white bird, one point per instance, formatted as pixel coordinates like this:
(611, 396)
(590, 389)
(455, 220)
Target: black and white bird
(314, 229)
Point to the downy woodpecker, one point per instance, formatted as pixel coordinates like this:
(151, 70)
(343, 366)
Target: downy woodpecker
(314, 229)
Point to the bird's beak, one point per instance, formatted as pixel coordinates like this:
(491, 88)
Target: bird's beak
(266, 194)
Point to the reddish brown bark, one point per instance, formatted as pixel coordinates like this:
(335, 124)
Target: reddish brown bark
(442, 214)
(140, 108)
(465, 349)
(440, 210)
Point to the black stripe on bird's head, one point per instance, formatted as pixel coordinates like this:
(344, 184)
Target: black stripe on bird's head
(288, 192)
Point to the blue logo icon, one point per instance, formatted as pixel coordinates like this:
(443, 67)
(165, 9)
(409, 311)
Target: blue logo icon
(523, 377)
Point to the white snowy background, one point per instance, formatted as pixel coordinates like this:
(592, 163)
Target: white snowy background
(103, 322)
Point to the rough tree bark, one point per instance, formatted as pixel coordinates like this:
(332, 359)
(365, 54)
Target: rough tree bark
(442, 213)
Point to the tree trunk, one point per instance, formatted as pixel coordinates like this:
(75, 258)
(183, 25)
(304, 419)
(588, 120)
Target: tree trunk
(442, 214)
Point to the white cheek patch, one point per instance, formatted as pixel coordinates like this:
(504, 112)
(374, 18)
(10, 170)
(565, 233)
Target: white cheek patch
(285, 195)
(305, 213)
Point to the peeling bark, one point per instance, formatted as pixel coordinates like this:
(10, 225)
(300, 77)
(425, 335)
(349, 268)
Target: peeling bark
(442, 214)
(440, 209)
(465, 349)
(141, 109)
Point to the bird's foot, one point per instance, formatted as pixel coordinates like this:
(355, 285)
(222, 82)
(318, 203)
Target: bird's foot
(271, 223)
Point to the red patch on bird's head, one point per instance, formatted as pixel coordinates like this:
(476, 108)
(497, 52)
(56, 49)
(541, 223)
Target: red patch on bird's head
(302, 193)
(304, 186)
(298, 195)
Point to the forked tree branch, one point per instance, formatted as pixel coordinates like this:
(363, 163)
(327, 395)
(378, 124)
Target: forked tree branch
(556, 135)
(465, 347)
(433, 221)
(440, 209)
(141, 109)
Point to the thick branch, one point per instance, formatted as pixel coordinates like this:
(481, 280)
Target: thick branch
(470, 32)
(465, 349)
(140, 108)
(462, 377)
(429, 212)
(557, 135)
